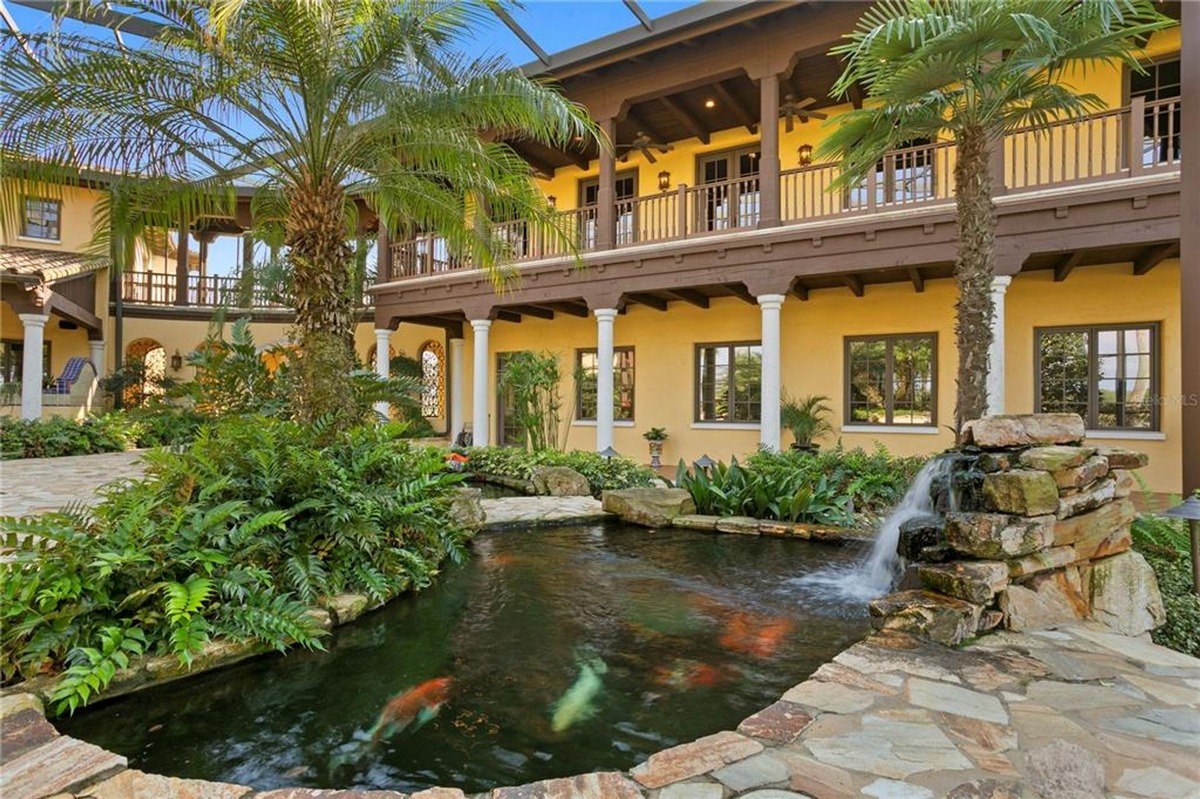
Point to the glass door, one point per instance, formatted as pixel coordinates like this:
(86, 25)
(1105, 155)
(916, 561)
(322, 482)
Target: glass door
(729, 195)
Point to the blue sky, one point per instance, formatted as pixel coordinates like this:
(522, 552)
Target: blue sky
(555, 24)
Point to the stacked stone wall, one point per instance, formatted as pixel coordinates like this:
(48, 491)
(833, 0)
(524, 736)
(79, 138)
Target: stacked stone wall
(1045, 540)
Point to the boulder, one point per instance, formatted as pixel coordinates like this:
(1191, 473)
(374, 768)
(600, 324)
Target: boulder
(1041, 561)
(1024, 430)
(1121, 458)
(1026, 492)
(1055, 457)
(559, 481)
(741, 525)
(1084, 474)
(1119, 540)
(1094, 525)
(1045, 600)
(1125, 482)
(466, 508)
(974, 581)
(938, 618)
(649, 507)
(694, 521)
(1125, 595)
(997, 536)
(994, 461)
(347, 607)
(1098, 493)
(917, 535)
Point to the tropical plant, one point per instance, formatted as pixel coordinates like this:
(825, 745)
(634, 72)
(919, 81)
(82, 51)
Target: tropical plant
(655, 434)
(1166, 544)
(326, 106)
(735, 490)
(603, 474)
(530, 382)
(233, 537)
(972, 71)
(805, 417)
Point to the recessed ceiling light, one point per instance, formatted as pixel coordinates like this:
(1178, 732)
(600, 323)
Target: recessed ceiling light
(710, 103)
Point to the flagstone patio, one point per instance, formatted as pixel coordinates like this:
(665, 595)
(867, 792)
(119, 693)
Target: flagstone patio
(38, 485)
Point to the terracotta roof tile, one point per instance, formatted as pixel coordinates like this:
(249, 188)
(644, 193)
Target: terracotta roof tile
(47, 265)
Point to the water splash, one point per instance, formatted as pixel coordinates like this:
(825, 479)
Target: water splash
(874, 576)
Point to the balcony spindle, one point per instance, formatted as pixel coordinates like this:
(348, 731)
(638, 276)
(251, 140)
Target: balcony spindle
(1137, 134)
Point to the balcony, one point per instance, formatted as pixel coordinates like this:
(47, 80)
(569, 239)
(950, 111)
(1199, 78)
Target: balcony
(1073, 152)
(159, 289)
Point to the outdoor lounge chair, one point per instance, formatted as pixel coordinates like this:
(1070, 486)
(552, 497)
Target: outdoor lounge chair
(75, 387)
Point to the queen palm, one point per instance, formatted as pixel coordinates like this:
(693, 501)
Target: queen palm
(972, 71)
(332, 109)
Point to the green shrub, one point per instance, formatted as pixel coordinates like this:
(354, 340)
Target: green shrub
(603, 474)
(233, 536)
(736, 490)
(1166, 544)
(56, 437)
(874, 481)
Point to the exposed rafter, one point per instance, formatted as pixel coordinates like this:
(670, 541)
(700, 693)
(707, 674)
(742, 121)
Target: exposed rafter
(1153, 256)
(741, 292)
(16, 32)
(1066, 264)
(637, 11)
(98, 15)
(639, 123)
(691, 296)
(735, 105)
(572, 308)
(918, 280)
(854, 283)
(798, 290)
(521, 33)
(856, 94)
(650, 301)
(534, 311)
(508, 316)
(686, 118)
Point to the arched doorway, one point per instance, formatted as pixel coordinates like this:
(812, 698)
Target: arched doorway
(433, 379)
(146, 360)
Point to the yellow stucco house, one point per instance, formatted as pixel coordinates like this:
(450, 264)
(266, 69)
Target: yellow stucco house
(717, 272)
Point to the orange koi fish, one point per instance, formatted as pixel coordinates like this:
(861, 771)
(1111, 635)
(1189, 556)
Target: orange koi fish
(755, 636)
(419, 704)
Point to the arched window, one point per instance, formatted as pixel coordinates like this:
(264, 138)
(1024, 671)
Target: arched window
(433, 379)
(370, 364)
(146, 359)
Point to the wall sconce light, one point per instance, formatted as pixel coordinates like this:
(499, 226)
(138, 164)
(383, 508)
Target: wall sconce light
(805, 153)
(176, 361)
(553, 201)
(664, 180)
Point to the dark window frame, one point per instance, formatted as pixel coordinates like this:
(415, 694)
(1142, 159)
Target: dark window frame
(583, 184)
(1092, 420)
(25, 234)
(1175, 143)
(889, 379)
(18, 362)
(632, 368)
(731, 396)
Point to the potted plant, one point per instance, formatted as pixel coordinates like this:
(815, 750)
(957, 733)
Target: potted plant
(656, 436)
(805, 417)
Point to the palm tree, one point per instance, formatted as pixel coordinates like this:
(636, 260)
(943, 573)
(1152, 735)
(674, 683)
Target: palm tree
(971, 71)
(328, 107)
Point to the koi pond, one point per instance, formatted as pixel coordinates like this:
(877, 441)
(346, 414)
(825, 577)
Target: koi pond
(566, 650)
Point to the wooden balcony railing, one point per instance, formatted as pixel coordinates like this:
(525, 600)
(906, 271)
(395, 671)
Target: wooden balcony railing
(204, 291)
(1125, 142)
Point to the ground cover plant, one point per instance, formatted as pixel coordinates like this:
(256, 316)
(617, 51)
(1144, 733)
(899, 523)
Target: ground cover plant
(1165, 544)
(837, 486)
(116, 431)
(603, 474)
(234, 537)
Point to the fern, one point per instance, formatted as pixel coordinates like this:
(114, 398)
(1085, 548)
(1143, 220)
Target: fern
(93, 667)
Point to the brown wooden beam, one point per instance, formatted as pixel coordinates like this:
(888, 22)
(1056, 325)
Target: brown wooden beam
(856, 93)
(650, 301)
(1153, 256)
(541, 166)
(692, 296)
(735, 105)
(686, 118)
(1066, 264)
(741, 292)
(74, 312)
(799, 290)
(639, 123)
(854, 283)
(508, 316)
(572, 308)
(534, 311)
(918, 280)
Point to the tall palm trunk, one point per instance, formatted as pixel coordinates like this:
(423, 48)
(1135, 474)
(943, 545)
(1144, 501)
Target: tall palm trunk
(973, 271)
(323, 296)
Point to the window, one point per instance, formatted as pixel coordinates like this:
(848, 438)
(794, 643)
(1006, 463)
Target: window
(624, 188)
(40, 218)
(508, 425)
(904, 175)
(729, 382)
(433, 379)
(891, 379)
(1106, 374)
(729, 182)
(585, 384)
(12, 356)
(1161, 141)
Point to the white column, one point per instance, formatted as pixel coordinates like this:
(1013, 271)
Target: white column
(995, 378)
(479, 400)
(456, 388)
(604, 377)
(770, 305)
(383, 338)
(31, 365)
(97, 352)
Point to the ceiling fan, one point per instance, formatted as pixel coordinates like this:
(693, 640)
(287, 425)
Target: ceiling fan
(793, 109)
(646, 145)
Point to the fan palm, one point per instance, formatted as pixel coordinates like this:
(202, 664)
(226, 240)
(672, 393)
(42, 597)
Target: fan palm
(971, 71)
(334, 110)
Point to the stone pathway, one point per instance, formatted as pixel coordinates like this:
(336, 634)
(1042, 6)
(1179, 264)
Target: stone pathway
(524, 512)
(38, 485)
(1073, 713)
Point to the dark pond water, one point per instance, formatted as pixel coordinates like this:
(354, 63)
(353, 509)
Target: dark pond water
(657, 637)
(495, 491)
